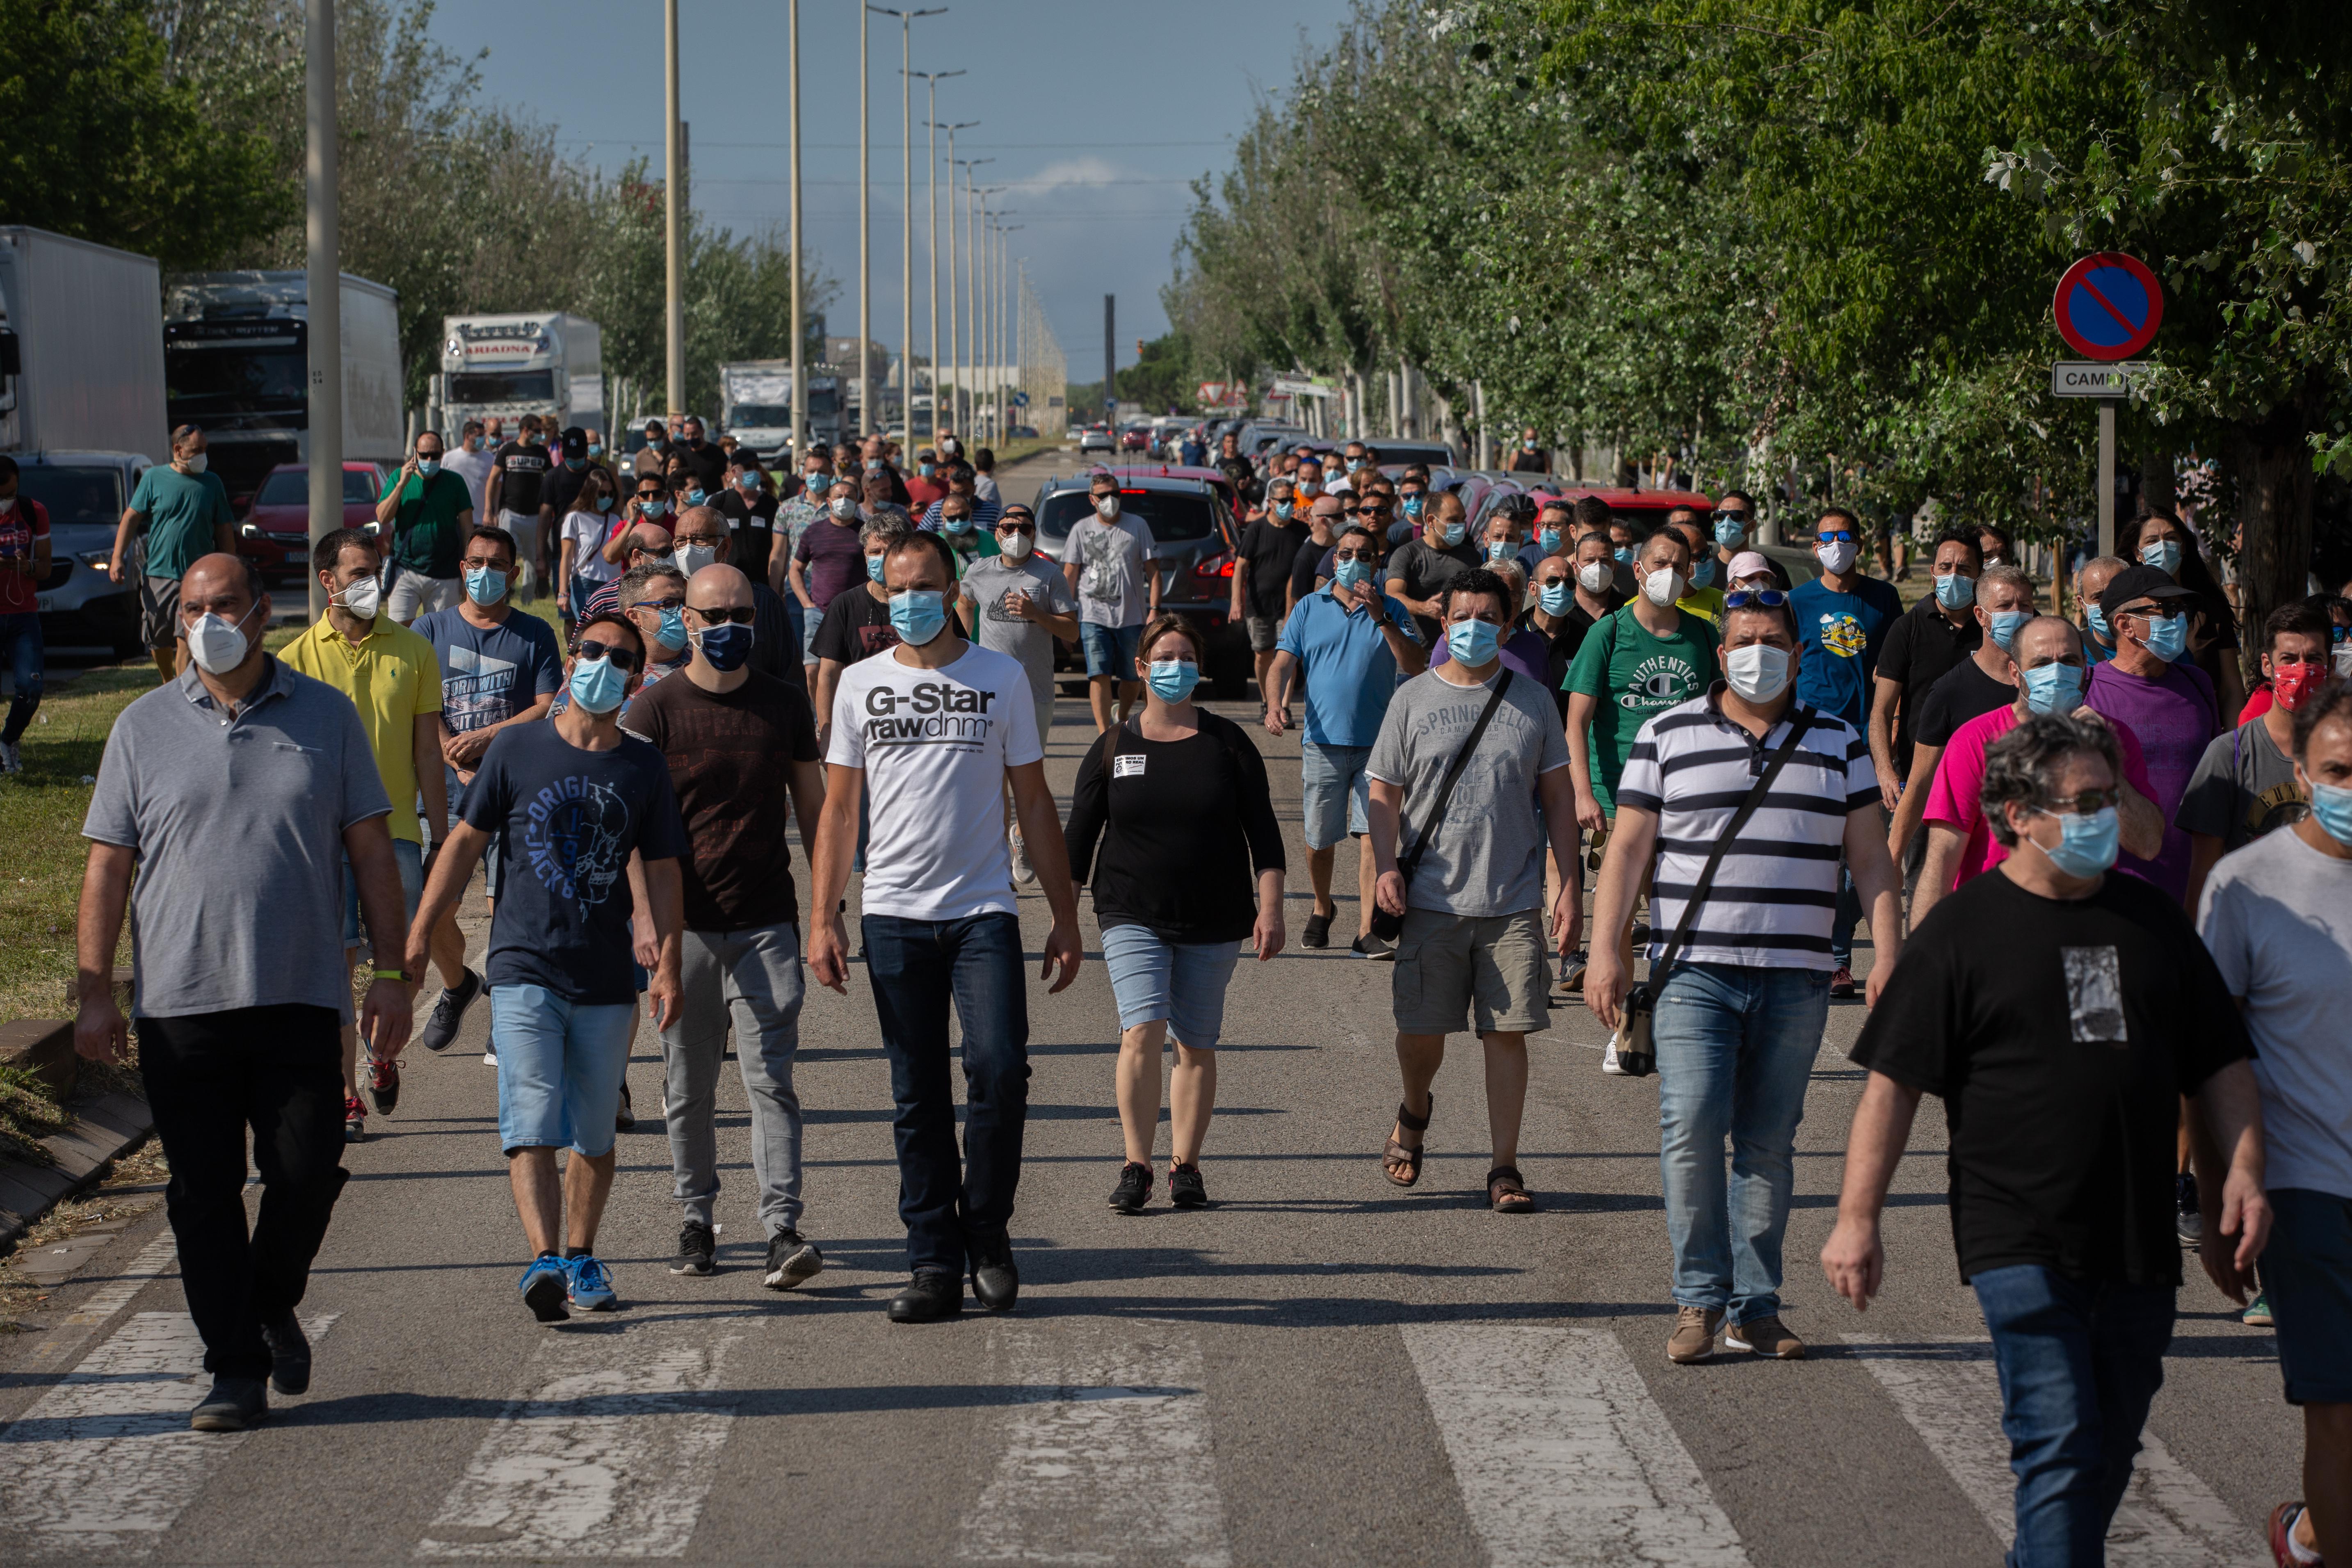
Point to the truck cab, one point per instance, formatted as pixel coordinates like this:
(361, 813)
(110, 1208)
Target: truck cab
(546, 363)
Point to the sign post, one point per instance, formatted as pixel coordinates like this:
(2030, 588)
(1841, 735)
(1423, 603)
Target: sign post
(2108, 307)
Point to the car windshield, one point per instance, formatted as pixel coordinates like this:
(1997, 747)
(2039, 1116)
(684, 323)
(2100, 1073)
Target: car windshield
(821, 401)
(208, 378)
(502, 386)
(1174, 517)
(291, 487)
(71, 494)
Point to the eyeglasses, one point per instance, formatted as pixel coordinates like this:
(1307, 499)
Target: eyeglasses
(1760, 598)
(2151, 612)
(2088, 803)
(706, 542)
(481, 564)
(679, 603)
(623, 659)
(741, 616)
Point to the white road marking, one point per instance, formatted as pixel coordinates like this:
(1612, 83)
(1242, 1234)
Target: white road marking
(105, 1461)
(1108, 1458)
(1950, 1391)
(55, 1348)
(609, 1455)
(1560, 1455)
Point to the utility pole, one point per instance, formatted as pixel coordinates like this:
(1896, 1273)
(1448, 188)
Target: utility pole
(673, 178)
(865, 236)
(907, 212)
(800, 323)
(931, 239)
(1110, 359)
(322, 237)
(968, 367)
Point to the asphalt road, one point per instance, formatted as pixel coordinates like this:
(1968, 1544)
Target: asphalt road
(1317, 1369)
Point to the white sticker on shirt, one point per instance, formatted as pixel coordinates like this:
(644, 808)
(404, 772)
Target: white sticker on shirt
(2095, 995)
(1127, 764)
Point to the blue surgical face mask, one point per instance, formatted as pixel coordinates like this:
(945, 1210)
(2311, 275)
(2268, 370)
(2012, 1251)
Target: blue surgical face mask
(672, 634)
(1703, 574)
(653, 508)
(1173, 679)
(1412, 503)
(1352, 574)
(2086, 845)
(1473, 642)
(1555, 597)
(486, 585)
(2163, 554)
(1625, 553)
(1500, 550)
(2331, 804)
(1449, 534)
(604, 503)
(1282, 509)
(1550, 539)
(874, 567)
(955, 523)
(1728, 533)
(597, 685)
(2099, 627)
(2052, 688)
(595, 449)
(575, 464)
(724, 647)
(918, 615)
(1955, 591)
(2005, 624)
(697, 496)
(2168, 636)
(428, 466)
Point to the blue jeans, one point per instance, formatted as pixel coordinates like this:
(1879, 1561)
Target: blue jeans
(2080, 1364)
(22, 635)
(917, 969)
(1736, 1049)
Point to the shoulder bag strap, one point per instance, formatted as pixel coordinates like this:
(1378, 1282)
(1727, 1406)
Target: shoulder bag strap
(1410, 859)
(1800, 720)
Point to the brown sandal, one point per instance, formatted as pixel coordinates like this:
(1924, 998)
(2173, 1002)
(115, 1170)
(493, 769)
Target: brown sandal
(1399, 1163)
(1506, 1192)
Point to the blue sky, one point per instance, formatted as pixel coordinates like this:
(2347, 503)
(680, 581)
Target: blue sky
(1097, 114)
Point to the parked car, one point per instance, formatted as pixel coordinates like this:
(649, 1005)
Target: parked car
(1021, 433)
(276, 533)
(1095, 439)
(1213, 477)
(1135, 438)
(1428, 453)
(1194, 532)
(85, 494)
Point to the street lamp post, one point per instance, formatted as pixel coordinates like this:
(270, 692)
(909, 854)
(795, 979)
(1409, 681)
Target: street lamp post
(931, 240)
(322, 237)
(800, 327)
(966, 343)
(864, 234)
(673, 176)
(907, 211)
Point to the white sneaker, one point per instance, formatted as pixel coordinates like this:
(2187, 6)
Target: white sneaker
(491, 1056)
(1609, 1060)
(11, 759)
(1023, 872)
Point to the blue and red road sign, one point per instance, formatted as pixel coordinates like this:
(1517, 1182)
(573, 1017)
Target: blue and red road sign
(2108, 306)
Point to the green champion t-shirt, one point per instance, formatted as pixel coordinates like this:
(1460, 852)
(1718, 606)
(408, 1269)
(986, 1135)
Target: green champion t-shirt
(1635, 674)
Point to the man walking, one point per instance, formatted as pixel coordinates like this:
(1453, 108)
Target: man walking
(1926, 643)
(472, 462)
(935, 726)
(1983, 682)
(732, 734)
(224, 792)
(1419, 568)
(569, 801)
(2059, 1013)
(1269, 547)
(428, 511)
(1016, 603)
(518, 470)
(2245, 785)
(1740, 954)
(826, 562)
(1349, 642)
(2154, 687)
(1472, 950)
(1108, 561)
(394, 678)
(177, 513)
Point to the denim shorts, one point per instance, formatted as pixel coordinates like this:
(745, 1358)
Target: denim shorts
(490, 857)
(1110, 650)
(410, 857)
(1334, 792)
(810, 621)
(1184, 983)
(2307, 1272)
(560, 1069)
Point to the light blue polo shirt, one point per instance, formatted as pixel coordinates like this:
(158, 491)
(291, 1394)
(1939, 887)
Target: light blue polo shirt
(1349, 671)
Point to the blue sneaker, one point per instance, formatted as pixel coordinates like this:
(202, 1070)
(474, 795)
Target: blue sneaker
(592, 1283)
(544, 1284)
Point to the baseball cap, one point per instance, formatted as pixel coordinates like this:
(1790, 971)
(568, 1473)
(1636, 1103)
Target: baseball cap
(2139, 582)
(1750, 563)
(575, 442)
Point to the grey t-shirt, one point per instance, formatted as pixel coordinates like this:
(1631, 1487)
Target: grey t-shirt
(988, 581)
(1487, 858)
(2277, 916)
(2242, 789)
(1114, 567)
(239, 826)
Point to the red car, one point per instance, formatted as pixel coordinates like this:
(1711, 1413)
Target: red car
(1135, 438)
(276, 533)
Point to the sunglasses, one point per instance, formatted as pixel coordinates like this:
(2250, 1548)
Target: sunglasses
(1762, 598)
(1842, 536)
(1721, 516)
(1028, 528)
(1338, 555)
(2088, 803)
(742, 616)
(2151, 612)
(622, 658)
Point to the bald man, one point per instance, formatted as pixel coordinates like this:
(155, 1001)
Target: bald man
(704, 537)
(729, 732)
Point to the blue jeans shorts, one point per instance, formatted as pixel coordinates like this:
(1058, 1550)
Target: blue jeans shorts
(490, 857)
(410, 856)
(560, 1069)
(1334, 792)
(1184, 983)
(2307, 1273)
(1110, 650)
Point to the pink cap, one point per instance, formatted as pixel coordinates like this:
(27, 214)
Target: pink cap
(1749, 564)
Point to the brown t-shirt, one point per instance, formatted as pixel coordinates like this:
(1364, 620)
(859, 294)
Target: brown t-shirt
(729, 761)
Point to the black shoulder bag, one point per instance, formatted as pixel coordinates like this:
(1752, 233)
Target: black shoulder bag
(1637, 1053)
(1389, 927)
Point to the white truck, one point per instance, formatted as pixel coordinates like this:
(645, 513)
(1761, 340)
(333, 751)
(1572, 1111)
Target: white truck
(81, 412)
(548, 363)
(755, 406)
(237, 360)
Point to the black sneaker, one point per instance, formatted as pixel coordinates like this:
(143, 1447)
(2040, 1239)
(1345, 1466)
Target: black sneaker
(995, 1281)
(289, 1355)
(233, 1405)
(1318, 932)
(933, 1294)
(791, 1261)
(2188, 1222)
(696, 1250)
(441, 1029)
(625, 1119)
(1185, 1188)
(1372, 947)
(1134, 1189)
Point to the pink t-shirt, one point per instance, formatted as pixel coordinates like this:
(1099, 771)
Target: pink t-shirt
(1956, 798)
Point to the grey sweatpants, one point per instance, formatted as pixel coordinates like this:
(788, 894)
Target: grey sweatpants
(755, 976)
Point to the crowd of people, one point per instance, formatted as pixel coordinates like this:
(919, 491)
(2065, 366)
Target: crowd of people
(2108, 890)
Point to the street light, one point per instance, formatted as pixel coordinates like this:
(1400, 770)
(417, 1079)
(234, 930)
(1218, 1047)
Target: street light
(1004, 343)
(907, 210)
(321, 239)
(800, 324)
(673, 176)
(959, 337)
(932, 236)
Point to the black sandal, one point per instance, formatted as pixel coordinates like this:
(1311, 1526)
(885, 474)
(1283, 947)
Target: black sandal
(1396, 1157)
(1506, 1191)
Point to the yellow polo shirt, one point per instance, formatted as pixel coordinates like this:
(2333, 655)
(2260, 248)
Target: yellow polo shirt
(1707, 604)
(391, 675)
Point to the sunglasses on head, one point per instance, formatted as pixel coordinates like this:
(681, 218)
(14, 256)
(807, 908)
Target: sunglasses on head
(622, 658)
(1761, 598)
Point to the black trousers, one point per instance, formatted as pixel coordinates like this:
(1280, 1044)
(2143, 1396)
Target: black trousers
(209, 1077)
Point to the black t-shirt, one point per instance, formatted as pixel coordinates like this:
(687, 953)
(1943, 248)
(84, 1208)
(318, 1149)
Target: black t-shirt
(1562, 642)
(1964, 692)
(1919, 649)
(561, 488)
(1306, 566)
(522, 469)
(1271, 548)
(753, 524)
(705, 462)
(1182, 825)
(1243, 473)
(1424, 568)
(855, 627)
(2060, 1036)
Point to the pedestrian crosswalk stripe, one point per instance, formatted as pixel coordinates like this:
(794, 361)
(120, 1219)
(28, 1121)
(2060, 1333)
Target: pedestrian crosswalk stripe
(1107, 1455)
(1561, 1456)
(105, 1461)
(54, 1349)
(1949, 1392)
(609, 1453)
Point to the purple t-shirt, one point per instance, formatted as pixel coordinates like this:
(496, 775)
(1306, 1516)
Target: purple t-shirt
(2173, 717)
(833, 557)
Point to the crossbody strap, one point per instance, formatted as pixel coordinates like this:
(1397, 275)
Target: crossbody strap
(1800, 720)
(1410, 859)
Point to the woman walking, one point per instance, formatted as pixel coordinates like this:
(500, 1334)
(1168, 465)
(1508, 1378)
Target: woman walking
(1177, 798)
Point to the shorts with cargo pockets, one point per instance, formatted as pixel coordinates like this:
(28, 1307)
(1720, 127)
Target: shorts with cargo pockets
(1487, 973)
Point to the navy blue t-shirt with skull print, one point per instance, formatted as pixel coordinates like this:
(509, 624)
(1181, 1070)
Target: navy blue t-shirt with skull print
(566, 820)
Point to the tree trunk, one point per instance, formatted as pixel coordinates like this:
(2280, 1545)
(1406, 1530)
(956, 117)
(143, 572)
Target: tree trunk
(2271, 461)
(2157, 491)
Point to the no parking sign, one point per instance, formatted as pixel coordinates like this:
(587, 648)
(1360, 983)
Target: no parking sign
(2108, 306)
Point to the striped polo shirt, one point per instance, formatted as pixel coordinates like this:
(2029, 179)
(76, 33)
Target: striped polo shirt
(1778, 886)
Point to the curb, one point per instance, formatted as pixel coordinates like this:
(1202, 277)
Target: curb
(103, 1131)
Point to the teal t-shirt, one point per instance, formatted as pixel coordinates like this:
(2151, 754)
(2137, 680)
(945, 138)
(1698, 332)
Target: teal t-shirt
(1634, 675)
(182, 510)
(426, 533)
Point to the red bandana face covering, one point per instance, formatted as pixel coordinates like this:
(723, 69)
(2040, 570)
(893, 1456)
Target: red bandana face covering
(2291, 683)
